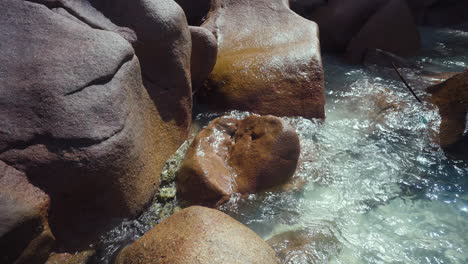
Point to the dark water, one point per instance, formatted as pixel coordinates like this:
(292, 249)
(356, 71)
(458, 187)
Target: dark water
(377, 185)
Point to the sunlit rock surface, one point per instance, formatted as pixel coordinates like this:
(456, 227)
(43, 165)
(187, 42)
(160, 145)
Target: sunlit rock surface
(198, 235)
(238, 156)
(268, 62)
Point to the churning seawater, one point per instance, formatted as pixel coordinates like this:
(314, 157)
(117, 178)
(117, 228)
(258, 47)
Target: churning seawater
(372, 185)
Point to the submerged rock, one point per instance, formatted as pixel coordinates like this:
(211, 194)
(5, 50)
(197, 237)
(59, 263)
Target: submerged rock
(77, 119)
(451, 97)
(83, 257)
(25, 236)
(304, 246)
(198, 235)
(268, 61)
(238, 156)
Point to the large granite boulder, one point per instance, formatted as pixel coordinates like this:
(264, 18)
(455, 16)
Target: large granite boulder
(268, 62)
(77, 119)
(198, 235)
(238, 156)
(163, 49)
(25, 236)
(382, 31)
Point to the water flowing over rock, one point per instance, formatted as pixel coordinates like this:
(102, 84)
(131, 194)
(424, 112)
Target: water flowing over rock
(25, 236)
(198, 235)
(304, 246)
(77, 119)
(268, 62)
(238, 156)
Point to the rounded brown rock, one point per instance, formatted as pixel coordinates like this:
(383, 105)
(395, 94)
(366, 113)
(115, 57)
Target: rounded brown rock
(238, 156)
(198, 235)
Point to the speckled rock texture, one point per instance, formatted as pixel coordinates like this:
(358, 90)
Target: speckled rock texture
(25, 236)
(77, 119)
(164, 49)
(198, 235)
(268, 62)
(238, 156)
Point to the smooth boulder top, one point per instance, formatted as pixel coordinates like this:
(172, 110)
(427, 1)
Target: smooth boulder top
(198, 235)
(268, 61)
(238, 156)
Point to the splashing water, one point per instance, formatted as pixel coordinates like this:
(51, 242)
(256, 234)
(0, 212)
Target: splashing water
(377, 186)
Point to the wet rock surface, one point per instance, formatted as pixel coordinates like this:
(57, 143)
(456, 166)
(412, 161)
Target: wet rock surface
(198, 235)
(268, 61)
(451, 97)
(78, 122)
(238, 156)
(25, 236)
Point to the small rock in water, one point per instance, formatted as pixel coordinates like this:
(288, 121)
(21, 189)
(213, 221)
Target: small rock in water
(238, 156)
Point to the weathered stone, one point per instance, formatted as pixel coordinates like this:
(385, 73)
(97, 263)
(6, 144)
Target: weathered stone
(198, 235)
(25, 236)
(268, 62)
(238, 156)
(78, 120)
(195, 10)
(204, 53)
(451, 97)
(382, 31)
(163, 49)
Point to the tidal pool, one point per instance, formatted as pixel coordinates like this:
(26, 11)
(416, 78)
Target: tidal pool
(373, 185)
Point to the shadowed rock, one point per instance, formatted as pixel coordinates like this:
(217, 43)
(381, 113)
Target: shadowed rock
(204, 53)
(383, 31)
(268, 62)
(77, 119)
(238, 156)
(198, 235)
(195, 10)
(25, 236)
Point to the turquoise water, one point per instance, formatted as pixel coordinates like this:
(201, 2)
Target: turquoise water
(377, 183)
(376, 188)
